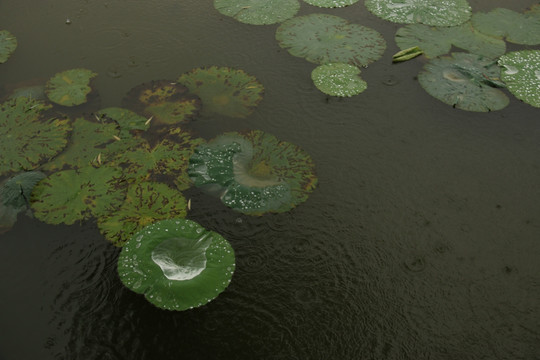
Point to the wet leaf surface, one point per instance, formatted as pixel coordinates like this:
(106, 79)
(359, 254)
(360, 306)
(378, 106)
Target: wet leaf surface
(521, 74)
(331, 3)
(258, 12)
(70, 87)
(338, 79)
(16, 191)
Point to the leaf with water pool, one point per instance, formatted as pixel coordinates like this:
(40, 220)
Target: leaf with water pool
(521, 74)
(338, 79)
(8, 44)
(177, 264)
(258, 12)
(70, 87)
(331, 3)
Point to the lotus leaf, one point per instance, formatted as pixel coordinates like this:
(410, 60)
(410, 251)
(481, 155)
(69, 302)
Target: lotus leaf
(331, 3)
(515, 27)
(521, 74)
(28, 137)
(322, 39)
(145, 203)
(429, 12)
(8, 44)
(36, 92)
(255, 172)
(70, 87)
(258, 12)
(165, 101)
(177, 264)
(16, 191)
(70, 195)
(223, 90)
(437, 41)
(126, 119)
(465, 81)
(338, 79)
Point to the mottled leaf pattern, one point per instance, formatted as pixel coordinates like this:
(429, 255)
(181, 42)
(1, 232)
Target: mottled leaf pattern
(8, 44)
(70, 87)
(258, 12)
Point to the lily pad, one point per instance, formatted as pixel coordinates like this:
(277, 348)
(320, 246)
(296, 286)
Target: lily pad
(70, 87)
(323, 39)
(8, 44)
(437, 41)
(258, 12)
(429, 12)
(71, 195)
(177, 264)
(126, 119)
(338, 79)
(145, 203)
(28, 137)
(223, 90)
(331, 3)
(16, 191)
(254, 172)
(521, 74)
(465, 81)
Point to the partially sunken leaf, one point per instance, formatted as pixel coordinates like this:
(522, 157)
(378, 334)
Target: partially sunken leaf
(145, 203)
(70, 87)
(258, 12)
(331, 3)
(28, 137)
(465, 81)
(515, 27)
(177, 264)
(429, 12)
(223, 90)
(126, 119)
(322, 39)
(521, 74)
(16, 191)
(338, 79)
(71, 195)
(8, 44)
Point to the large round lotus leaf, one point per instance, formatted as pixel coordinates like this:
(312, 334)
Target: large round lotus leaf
(331, 3)
(166, 101)
(145, 203)
(338, 79)
(323, 39)
(8, 44)
(429, 12)
(126, 119)
(258, 12)
(70, 87)
(437, 41)
(223, 90)
(521, 74)
(254, 172)
(515, 27)
(177, 264)
(465, 81)
(71, 195)
(27, 137)
(16, 191)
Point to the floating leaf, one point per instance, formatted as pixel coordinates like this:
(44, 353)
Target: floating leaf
(465, 81)
(254, 172)
(177, 264)
(16, 191)
(331, 3)
(322, 39)
(338, 79)
(223, 90)
(28, 137)
(258, 12)
(126, 119)
(8, 44)
(8, 217)
(70, 87)
(429, 12)
(36, 92)
(521, 74)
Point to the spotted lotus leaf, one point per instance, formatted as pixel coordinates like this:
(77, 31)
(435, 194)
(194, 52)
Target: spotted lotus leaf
(177, 264)
(126, 119)
(29, 136)
(338, 79)
(258, 12)
(465, 81)
(521, 74)
(322, 39)
(8, 44)
(70, 87)
(223, 90)
(331, 3)
(16, 191)
(70, 195)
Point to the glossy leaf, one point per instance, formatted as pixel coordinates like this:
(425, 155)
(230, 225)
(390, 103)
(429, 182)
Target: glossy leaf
(338, 79)
(258, 12)
(16, 191)
(70, 87)
(521, 74)
(331, 3)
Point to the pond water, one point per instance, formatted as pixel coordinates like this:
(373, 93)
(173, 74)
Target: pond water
(421, 240)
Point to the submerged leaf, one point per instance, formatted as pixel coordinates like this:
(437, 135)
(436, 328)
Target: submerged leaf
(331, 3)
(338, 79)
(521, 74)
(70, 87)
(258, 12)
(8, 44)
(16, 191)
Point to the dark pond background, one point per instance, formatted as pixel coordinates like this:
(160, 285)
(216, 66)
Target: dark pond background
(422, 240)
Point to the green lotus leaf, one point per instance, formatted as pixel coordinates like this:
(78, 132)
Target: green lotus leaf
(145, 203)
(177, 264)
(223, 90)
(516, 27)
(165, 101)
(521, 74)
(338, 79)
(16, 191)
(70, 87)
(8, 44)
(29, 137)
(322, 39)
(126, 119)
(437, 41)
(429, 12)
(258, 12)
(331, 3)
(465, 81)
(70, 195)
(254, 172)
